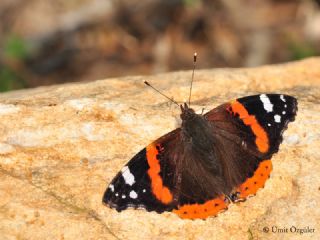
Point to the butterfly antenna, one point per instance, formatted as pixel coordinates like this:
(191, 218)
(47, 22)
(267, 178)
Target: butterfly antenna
(149, 85)
(194, 67)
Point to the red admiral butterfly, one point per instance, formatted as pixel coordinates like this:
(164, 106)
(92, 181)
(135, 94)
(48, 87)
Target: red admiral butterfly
(213, 159)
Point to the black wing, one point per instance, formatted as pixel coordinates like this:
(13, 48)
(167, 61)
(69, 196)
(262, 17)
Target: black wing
(256, 122)
(246, 133)
(144, 181)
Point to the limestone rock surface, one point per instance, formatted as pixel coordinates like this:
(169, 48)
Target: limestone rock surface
(61, 145)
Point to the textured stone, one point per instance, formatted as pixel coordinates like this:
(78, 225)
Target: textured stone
(61, 145)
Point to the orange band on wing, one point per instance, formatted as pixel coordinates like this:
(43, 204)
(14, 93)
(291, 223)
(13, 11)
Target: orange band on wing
(257, 181)
(161, 192)
(262, 140)
(209, 208)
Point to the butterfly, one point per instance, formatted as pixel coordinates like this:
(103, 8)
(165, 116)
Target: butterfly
(212, 160)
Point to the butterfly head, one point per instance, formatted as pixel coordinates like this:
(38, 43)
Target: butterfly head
(187, 113)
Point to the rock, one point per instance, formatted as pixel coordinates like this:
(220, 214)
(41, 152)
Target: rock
(61, 145)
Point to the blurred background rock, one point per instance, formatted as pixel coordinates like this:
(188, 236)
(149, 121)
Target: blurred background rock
(47, 42)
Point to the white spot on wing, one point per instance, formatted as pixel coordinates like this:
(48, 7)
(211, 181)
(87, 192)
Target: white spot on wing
(133, 194)
(267, 105)
(127, 176)
(282, 98)
(285, 106)
(143, 190)
(283, 112)
(277, 118)
(123, 196)
(269, 124)
(111, 187)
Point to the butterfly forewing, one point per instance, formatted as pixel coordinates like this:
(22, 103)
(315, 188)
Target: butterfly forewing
(137, 184)
(272, 112)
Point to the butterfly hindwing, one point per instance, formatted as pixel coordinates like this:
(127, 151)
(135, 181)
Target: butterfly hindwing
(180, 183)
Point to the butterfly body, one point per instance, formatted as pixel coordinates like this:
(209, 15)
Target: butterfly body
(213, 159)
